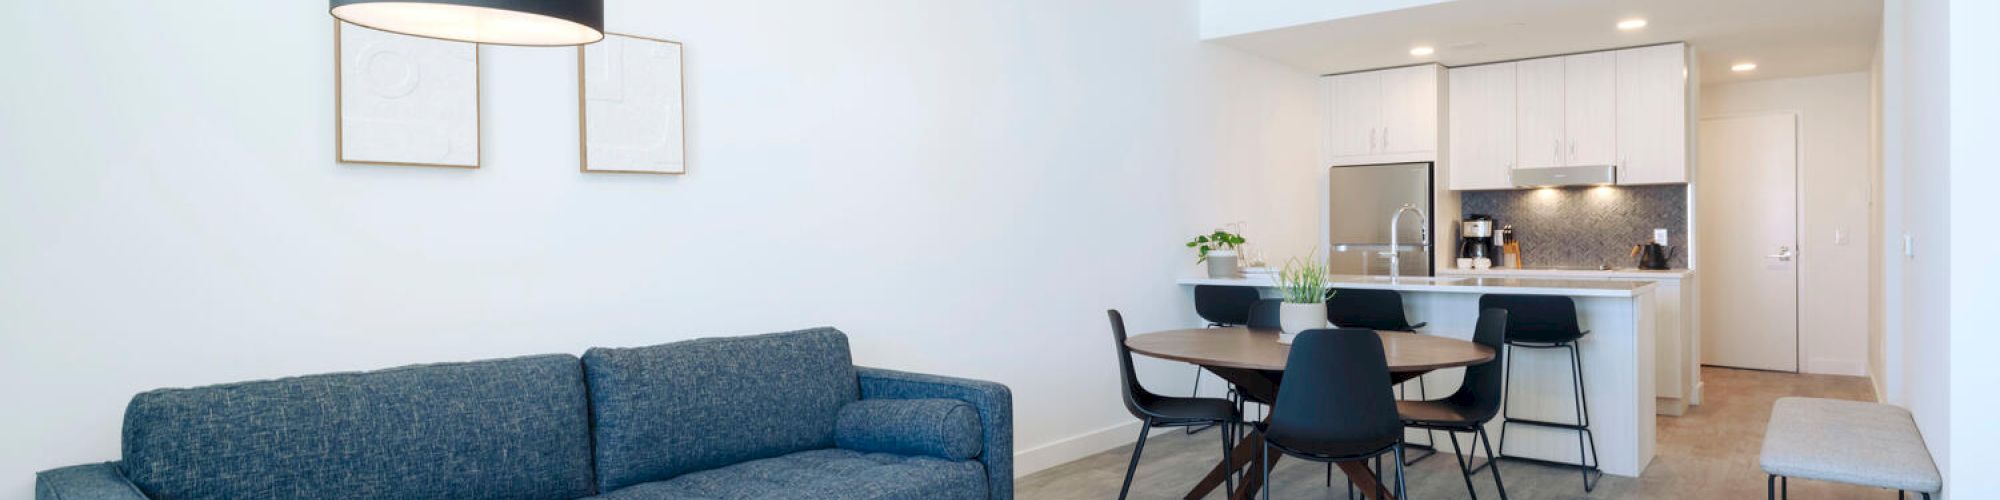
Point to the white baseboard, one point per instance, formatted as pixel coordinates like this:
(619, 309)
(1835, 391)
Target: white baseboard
(1835, 366)
(1069, 449)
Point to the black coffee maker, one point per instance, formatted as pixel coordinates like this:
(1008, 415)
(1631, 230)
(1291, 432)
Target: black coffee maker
(1475, 237)
(1653, 256)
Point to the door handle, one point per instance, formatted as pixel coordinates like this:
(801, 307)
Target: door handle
(1784, 254)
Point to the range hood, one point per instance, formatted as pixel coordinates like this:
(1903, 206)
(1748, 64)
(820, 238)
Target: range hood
(1588, 175)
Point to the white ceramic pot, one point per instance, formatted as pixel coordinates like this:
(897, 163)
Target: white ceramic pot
(1295, 318)
(1222, 264)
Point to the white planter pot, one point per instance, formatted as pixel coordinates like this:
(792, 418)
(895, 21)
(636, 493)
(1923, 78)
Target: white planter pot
(1222, 264)
(1295, 318)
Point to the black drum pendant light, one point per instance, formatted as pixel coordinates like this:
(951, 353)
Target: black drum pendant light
(504, 22)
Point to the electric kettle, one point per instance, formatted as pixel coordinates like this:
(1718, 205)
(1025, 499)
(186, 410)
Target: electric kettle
(1653, 256)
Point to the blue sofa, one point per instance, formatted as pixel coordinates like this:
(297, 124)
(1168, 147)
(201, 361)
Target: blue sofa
(784, 415)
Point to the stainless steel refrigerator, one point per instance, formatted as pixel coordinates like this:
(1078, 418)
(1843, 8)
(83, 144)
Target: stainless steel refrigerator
(1360, 201)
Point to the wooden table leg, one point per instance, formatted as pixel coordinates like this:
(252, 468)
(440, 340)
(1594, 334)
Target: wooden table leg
(1365, 480)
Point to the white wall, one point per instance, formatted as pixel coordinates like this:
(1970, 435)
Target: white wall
(1975, 124)
(963, 187)
(1916, 113)
(1836, 190)
(1221, 18)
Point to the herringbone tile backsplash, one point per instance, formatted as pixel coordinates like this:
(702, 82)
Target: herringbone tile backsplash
(1586, 226)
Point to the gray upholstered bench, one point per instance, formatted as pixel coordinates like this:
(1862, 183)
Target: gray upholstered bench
(1851, 442)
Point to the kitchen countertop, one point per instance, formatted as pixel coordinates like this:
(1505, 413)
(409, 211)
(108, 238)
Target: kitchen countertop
(1627, 273)
(1521, 286)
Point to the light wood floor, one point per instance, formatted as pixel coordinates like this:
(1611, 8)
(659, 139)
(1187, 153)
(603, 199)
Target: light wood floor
(1709, 453)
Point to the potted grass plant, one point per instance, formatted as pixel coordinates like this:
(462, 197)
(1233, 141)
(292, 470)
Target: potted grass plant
(1303, 286)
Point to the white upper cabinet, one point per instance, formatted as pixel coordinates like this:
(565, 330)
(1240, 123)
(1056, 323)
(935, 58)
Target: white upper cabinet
(1627, 108)
(1354, 113)
(1409, 109)
(1590, 108)
(1482, 126)
(1539, 136)
(1652, 115)
(1382, 116)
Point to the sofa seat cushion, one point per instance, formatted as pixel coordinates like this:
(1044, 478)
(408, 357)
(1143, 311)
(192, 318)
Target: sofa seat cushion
(666, 410)
(942, 428)
(503, 429)
(823, 474)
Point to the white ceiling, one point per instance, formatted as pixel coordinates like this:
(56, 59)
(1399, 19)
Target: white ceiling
(1784, 38)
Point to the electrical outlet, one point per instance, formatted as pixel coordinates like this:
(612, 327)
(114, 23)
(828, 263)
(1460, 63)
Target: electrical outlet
(1909, 246)
(1840, 236)
(1660, 235)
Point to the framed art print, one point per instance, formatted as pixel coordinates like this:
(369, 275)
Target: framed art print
(405, 100)
(630, 93)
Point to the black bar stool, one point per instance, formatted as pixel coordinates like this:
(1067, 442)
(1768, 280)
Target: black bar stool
(1548, 322)
(1221, 306)
(1379, 310)
(1165, 411)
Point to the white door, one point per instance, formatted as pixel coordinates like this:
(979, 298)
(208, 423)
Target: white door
(1409, 109)
(1539, 134)
(1590, 108)
(1482, 127)
(1652, 115)
(1355, 114)
(1749, 241)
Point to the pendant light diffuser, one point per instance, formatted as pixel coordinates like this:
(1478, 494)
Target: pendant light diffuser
(544, 23)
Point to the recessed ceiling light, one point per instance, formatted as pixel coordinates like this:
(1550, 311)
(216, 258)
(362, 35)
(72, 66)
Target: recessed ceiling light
(1424, 50)
(1742, 67)
(1631, 24)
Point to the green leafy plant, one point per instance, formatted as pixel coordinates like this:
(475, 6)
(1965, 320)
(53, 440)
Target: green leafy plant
(1303, 281)
(1218, 240)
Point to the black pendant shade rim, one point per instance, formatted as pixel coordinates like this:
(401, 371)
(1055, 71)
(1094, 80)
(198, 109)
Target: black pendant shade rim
(585, 13)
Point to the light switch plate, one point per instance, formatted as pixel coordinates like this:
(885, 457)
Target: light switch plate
(1909, 246)
(1660, 235)
(1840, 236)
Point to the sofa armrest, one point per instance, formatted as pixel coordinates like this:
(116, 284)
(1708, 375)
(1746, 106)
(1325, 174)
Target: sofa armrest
(100, 481)
(994, 402)
(942, 428)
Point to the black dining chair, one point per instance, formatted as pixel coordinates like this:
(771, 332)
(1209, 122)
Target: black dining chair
(1548, 322)
(1475, 403)
(1221, 306)
(1264, 314)
(1335, 404)
(1165, 411)
(1380, 310)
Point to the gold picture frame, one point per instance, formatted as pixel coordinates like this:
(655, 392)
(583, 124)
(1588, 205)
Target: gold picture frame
(583, 107)
(340, 153)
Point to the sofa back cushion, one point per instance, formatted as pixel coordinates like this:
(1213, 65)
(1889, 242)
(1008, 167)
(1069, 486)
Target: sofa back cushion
(513, 428)
(667, 410)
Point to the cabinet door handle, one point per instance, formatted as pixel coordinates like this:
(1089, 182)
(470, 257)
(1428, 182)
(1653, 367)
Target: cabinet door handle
(1556, 150)
(1371, 139)
(1385, 138)
(1572, 149)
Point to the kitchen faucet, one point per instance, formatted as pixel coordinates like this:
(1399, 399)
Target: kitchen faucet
(1395, 249)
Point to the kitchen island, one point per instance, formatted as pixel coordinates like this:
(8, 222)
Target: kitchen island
(1618, 360)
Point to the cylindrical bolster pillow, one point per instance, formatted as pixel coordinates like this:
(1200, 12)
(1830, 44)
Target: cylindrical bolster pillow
(943, 428)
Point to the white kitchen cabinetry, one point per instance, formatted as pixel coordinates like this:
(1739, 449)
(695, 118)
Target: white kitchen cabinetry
(1482, 126)
(1652, 115)
(1626, 107)
(1590, 108)
(1383, 116)
(1540, 138)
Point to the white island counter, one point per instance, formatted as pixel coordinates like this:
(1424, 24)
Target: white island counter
(1618, 360)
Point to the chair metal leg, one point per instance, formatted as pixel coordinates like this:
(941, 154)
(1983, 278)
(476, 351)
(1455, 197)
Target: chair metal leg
(1506, 395)
(1583, 420)
(1264, 459)
(1429, 434)
(1329, 474)
(1195, 394)
(1133, 467)
(1771, 487)
(1228, 444)
(1785, 487)
(1402, 490)
(1491, 460)
(1464, 470)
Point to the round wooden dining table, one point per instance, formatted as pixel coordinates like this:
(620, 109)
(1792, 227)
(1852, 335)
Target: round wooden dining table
(1254, 361)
